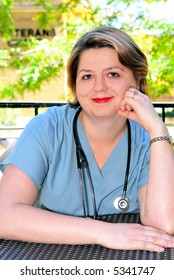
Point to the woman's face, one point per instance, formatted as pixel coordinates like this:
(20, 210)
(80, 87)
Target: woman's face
(102, 81)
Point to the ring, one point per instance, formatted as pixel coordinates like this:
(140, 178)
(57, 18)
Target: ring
(146, 238)
(136, 91)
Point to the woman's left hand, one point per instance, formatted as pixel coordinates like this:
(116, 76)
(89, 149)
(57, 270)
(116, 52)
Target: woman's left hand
(138, 107)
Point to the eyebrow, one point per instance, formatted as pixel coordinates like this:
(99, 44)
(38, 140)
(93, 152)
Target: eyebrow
(85, 70)
(108, 68)
(114, 67)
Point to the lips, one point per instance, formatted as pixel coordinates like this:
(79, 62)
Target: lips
(101, 100)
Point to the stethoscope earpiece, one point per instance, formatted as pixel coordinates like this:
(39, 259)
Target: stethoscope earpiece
(121, 204)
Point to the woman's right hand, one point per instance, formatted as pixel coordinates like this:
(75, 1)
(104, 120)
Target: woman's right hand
(134, 237)
(138, 107)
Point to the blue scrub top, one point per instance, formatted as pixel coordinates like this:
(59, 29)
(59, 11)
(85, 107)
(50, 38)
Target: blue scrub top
(46, 153)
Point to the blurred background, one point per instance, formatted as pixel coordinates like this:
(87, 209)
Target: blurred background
(36, 38)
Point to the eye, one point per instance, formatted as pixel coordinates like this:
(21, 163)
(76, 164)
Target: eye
(87, 77)
(113, 75)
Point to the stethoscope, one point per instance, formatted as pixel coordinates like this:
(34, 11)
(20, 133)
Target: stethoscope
(121, 203)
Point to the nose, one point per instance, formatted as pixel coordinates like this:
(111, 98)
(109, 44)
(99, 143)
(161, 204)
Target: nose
(100, 84)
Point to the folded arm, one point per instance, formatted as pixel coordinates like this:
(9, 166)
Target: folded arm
(156, 199)
(20, 220)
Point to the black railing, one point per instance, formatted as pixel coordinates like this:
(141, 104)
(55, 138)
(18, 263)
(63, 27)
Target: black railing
(38, 104)
(29, 104)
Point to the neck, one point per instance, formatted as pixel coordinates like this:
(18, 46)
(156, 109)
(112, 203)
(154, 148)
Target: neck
(103, 129)
(103, 134)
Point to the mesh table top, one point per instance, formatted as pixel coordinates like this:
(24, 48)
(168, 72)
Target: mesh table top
(18, 250)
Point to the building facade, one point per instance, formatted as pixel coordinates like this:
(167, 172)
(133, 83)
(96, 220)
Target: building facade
(26, 25)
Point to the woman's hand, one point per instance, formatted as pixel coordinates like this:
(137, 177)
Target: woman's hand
(134, 237)
(138, 107)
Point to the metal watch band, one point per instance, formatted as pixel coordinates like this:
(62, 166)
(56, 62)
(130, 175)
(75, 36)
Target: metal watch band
(167, 138)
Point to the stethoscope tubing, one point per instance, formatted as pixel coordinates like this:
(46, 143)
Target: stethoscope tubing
(82, 163)
(128, 159)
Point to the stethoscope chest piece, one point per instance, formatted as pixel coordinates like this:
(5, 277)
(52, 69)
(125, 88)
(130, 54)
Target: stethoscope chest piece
(121, 204)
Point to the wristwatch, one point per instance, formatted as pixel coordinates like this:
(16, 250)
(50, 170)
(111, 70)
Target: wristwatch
(167, 138)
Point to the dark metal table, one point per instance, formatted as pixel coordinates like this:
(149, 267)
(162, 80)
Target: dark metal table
(17, 250)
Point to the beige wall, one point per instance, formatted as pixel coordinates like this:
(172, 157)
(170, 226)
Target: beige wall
(26, 25)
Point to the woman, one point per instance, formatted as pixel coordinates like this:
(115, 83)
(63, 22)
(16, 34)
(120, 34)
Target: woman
(41, 196)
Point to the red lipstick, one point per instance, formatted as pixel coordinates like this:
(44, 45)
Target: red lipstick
(101, 100)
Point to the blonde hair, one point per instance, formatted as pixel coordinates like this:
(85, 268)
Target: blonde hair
(129, 55)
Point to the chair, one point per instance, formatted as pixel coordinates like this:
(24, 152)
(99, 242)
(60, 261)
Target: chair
(8, 141)
(7, 151)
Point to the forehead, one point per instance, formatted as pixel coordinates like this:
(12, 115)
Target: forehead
(99, 56)
(104, 58)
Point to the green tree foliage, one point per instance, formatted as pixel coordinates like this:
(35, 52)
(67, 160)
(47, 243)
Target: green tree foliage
(155, 37)
(37, 62)
(161, 60)
(6, 30)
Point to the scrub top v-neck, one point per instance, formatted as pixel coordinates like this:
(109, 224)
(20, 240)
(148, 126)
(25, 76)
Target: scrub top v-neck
(50, 162)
